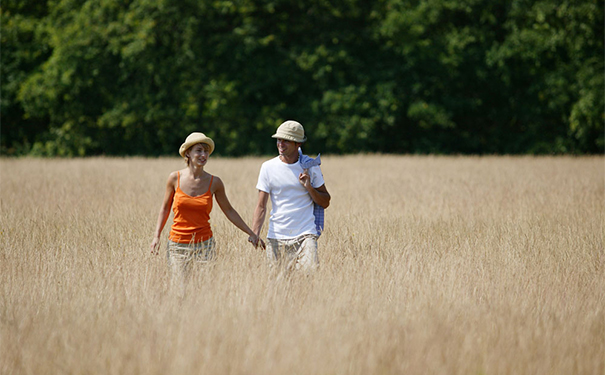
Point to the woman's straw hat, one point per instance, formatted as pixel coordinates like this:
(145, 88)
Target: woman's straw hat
(195, 138)
(291, 131)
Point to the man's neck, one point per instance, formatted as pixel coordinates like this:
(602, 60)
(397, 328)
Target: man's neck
(289, 159)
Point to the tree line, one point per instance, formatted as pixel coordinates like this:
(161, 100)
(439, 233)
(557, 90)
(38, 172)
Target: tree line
(135, 77)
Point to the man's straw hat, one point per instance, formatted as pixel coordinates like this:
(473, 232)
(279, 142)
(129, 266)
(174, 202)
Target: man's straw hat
(290, 131)
(195, 138)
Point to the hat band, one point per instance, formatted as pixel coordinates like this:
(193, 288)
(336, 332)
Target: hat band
(289, 136)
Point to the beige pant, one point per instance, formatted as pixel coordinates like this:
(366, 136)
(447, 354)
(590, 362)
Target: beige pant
(181, 257)
(298, 253)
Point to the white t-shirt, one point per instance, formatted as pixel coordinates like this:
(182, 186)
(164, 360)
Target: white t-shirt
(292, 206)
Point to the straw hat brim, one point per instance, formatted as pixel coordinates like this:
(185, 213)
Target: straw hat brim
(193, 139)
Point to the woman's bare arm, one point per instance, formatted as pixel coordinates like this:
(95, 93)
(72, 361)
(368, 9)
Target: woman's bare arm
(164, 210)
(230, 212)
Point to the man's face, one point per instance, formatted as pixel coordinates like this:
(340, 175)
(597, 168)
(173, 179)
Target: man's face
(286, 147)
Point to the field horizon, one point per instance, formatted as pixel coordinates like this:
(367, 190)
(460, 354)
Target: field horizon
(428, 265)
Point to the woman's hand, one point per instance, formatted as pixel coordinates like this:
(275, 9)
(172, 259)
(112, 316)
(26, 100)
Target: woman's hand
(255, 241)
(154, 246)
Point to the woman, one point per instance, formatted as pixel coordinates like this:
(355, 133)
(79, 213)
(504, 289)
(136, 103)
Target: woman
(189, 191)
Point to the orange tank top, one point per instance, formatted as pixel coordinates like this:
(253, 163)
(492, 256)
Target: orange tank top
(191, 223)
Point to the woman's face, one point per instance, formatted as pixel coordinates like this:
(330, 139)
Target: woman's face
(198, 154)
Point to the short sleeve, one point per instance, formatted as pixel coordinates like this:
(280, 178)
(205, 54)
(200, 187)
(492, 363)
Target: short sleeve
(263, 179)
(317, 178)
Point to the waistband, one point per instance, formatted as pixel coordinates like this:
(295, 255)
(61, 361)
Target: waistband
(294, 241)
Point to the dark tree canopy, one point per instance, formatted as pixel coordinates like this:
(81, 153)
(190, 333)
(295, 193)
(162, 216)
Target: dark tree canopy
(135, 77)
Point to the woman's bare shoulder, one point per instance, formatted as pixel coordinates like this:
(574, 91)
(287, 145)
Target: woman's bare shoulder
(173, 177)
(217, 183)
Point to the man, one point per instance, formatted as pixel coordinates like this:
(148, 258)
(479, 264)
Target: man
(292, 235)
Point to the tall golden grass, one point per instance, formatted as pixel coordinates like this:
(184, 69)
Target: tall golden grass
(429, 265)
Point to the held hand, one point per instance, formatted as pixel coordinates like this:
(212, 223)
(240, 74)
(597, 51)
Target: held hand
(255, 241)
(305, 179)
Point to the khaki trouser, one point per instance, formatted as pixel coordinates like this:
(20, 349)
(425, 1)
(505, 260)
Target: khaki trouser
(181, 257)
(299, 253)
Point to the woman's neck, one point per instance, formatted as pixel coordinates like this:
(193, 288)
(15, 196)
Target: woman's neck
(196, 171)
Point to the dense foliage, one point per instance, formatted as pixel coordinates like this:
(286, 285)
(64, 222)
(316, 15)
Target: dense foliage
(134, 77)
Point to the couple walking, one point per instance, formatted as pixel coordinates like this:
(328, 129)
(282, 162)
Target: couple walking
(293, 181)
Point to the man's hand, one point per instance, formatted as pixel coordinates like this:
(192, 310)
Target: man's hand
(255, 241)
(305, 179)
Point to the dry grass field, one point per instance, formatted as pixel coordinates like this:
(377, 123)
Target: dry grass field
(429, 265)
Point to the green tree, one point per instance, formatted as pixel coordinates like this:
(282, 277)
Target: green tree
(441, 76)
(551, 64)
(24, 50)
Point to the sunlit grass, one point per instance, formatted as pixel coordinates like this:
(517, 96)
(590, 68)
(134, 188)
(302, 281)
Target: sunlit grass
(442, 265)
